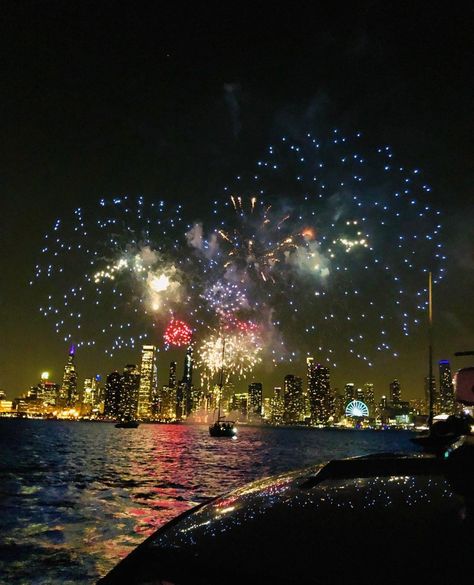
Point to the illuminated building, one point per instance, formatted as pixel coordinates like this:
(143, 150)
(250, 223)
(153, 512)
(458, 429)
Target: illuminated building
(113, 389)
(188, 401)
(267, 408)
(239, 404)
(277, 405)
(319, 392)
(147, 389)
(395, 392)
(68, 394)
(446, 388)
(168, 403)
(255, 398)
(369, 396)
(128, 398)
(45, 394)
(293, 399)
(349, 393)
(172, 375)
(338, 406)
(88, 395)
(6, 406)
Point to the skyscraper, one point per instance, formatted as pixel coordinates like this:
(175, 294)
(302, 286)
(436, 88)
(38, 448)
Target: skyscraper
(113, 390)
(277, 405)
(369, 396)
(172, 375)
(147, 388)
(88, 395)
(45, 391)
(168, 404)
(239, 404)
(68, 394)
(446, 388)
(128, 399)
(349, 393)
(255, 400)
(185, 393)
(293, 397)
(395, 392)
(319, 392)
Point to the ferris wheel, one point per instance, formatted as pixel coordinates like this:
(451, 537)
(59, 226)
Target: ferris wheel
(357, 408)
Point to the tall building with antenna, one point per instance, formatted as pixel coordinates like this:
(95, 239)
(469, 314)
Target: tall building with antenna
(68, 394)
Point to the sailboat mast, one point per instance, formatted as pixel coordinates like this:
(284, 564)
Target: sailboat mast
(221, 379)
(430, 351)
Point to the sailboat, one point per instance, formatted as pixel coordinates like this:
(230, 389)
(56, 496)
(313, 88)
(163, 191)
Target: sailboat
(222, 427)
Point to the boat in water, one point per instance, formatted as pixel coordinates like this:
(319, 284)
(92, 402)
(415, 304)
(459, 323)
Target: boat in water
(223, 428)
(127, 424)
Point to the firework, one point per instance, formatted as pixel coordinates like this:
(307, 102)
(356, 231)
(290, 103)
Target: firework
(178, 333)
(341, 238)
(109, 272)
(225, 297)
(324, 247)
(235, 353)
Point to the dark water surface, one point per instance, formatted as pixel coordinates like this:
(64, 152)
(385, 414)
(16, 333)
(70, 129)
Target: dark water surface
(78, 496)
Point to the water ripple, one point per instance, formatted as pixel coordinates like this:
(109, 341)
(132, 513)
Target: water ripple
(76, 497)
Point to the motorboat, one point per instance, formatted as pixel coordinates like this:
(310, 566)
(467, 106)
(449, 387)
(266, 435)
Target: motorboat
(384, 518)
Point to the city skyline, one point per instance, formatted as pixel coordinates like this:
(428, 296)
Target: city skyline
(137, 393)
(155, 377)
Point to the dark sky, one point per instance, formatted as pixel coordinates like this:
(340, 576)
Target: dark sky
(98, 98)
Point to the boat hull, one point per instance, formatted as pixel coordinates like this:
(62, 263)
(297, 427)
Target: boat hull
(127, 425)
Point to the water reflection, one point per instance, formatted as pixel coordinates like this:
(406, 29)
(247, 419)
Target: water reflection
(76, 497)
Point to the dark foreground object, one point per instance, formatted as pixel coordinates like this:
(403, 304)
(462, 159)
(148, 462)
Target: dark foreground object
(379, 519)
(127, 424)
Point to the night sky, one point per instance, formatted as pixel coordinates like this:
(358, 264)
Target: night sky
(98, 100)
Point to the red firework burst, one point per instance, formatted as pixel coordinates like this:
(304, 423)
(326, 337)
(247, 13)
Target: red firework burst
(178, 333)
(231, 323)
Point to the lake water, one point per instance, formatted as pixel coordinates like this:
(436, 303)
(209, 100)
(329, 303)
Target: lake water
(78, 496)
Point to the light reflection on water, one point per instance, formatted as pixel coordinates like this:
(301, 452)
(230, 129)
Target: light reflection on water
(77, 496)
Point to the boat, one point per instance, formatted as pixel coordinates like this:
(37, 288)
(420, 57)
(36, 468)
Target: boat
(382, 518)
(223, 428)
(127, 424)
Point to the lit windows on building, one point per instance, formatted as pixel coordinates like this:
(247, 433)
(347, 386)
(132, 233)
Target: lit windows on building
(147, 388)
(395, 392)
(446, 388)
(255, 400)
(319, 392)
(293, 399)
